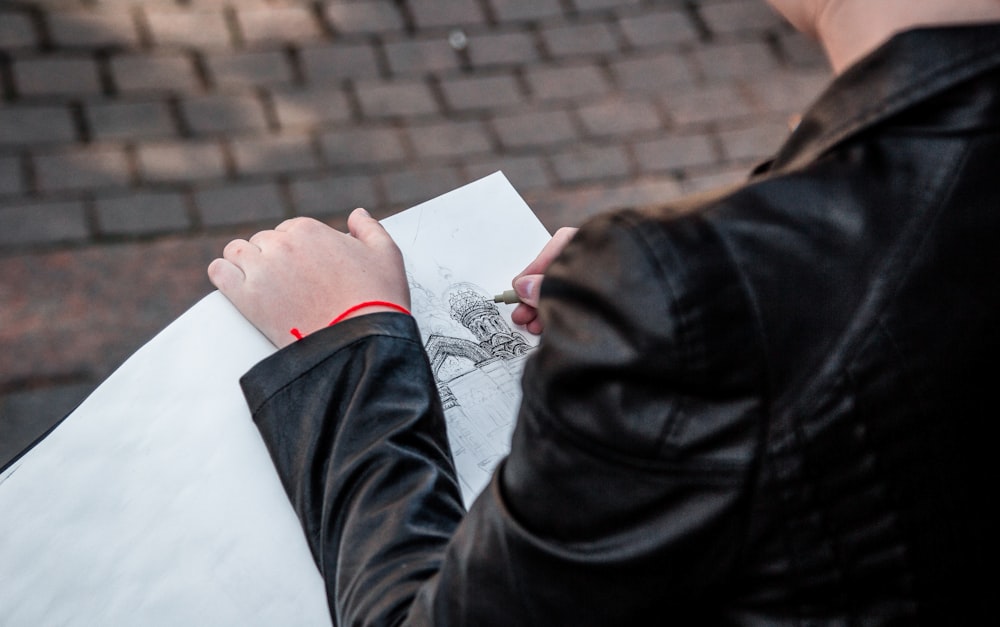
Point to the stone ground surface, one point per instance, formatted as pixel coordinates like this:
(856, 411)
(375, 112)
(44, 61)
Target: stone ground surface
(137, 137)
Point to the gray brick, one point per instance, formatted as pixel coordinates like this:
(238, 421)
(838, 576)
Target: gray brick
(310, 107)
(657, 29)
(401, 98)
(715, 179)
(181, 161)
(239, 204)
(441, 13)
(663, 72)
(130, 120)
(580, 39)
(56, 76)
(223, 113)
(486, 49)
(788, 92)
(428, 55)
(154, 73)
(519, 10)
(674, 152)
(16, 31)
(11, 179)
(755, 143)
(734, 17)
(82, 169)
(535, 128)
(249, 69)
(567, 82)
(619, 118)
(482, 92)
(278, 24)
(586, 163)
(735, 61)
(334, 63)
(103, 28)
(35, 125)
(599, 5)
(274, 155)
(416, 185)
(196, 29)
(142, 213)
(372, 16)
(450, 139)
(524, 173)
(333, 195)
(707, 104)
(42, 223)
(360, 146)
(803, 52)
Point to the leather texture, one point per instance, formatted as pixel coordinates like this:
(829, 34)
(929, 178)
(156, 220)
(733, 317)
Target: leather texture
(767, 407)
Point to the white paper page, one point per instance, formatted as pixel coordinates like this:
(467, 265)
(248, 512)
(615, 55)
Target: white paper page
(156, 503)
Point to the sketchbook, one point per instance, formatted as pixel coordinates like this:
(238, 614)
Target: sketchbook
(155, 502)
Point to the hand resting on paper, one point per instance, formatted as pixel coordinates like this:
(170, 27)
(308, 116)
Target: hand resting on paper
(304, 273)
(528, 283)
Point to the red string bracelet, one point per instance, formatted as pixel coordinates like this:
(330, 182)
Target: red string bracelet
(368, 303)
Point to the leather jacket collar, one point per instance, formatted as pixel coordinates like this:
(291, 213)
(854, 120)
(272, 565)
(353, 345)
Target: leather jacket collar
(908, 69)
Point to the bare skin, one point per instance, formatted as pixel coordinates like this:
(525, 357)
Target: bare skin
(528, 283)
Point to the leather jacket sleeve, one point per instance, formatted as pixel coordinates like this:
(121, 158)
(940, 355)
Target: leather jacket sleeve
(626, 487)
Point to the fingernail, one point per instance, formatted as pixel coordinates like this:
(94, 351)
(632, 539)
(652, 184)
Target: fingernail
(526, 288)
(364, 211)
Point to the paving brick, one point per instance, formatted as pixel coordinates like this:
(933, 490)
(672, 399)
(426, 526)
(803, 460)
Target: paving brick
(333, 63)
(722, 102)
(579, 39)
(333, 195)
(735, 61)
(28, 414)
(16, 31)
(535, 128)
(674, 152)
(56, 76)
(427, 55)
(181, 161)
(11, 178)
(400, 98)
(715, 179)
(524, 173)
(142, 213)
(755, 143)
(101, 29)
(802, 52)
(35, 125)
(240, 204)
(224, 113)
(362, 145)
(487, 49)
(734, 17)
(788, 92)
(599, 5)
(658, 29)
(518, 10)
(274, 155)
(160, 72)
(619, 118)
(42, 223)
(372, 16)
(570, 82)
(129, 120)
(196, 29)
(446, 13)
(82, 169)
(586, 163)
(416, 185)
(310, 107)
(657, 73)
(278, 24)
(450, 139)
(249, 69)
(482, 92)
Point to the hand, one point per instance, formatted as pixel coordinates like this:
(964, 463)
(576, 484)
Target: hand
(528, 284)
(304, 273)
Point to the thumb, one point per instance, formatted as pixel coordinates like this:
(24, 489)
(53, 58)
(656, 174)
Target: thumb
(528, 288)
(364, 227)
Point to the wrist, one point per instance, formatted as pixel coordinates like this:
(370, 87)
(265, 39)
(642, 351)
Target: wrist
(360, 309)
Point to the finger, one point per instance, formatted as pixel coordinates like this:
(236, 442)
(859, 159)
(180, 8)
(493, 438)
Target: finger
(291, 223)
(535, 326)
(528, 288)
(523, 314)
(550, 251)
(364, 227)
(239, 249)
(225, 275)
(261, 238)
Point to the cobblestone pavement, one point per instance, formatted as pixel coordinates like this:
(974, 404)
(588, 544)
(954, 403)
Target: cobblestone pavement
(138, 136)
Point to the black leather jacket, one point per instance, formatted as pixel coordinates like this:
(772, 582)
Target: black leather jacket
(768, 407)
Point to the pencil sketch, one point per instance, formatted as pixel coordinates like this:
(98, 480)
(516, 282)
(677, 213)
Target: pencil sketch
(477, 360)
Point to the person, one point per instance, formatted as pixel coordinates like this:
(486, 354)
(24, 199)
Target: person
(766, 407)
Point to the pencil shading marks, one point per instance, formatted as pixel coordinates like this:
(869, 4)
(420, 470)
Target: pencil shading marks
(477, 360)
